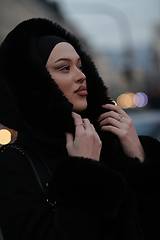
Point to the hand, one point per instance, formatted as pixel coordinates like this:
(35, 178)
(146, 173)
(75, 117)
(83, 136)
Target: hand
(86, 143)
(119, 123)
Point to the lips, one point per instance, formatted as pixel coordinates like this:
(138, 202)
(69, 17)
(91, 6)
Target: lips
(82, 90)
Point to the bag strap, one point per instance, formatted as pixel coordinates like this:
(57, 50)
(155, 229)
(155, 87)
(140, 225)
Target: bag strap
(39, 168)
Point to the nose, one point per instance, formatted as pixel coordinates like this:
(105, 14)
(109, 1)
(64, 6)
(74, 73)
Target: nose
(79, 76)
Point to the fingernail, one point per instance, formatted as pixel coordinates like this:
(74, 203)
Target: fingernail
(103, 105)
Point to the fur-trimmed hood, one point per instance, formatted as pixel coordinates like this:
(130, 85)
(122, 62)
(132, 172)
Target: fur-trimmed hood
(29, 98)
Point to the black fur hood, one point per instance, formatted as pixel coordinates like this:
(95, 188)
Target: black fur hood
(29, 98)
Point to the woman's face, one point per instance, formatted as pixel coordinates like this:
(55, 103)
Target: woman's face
(65, 67)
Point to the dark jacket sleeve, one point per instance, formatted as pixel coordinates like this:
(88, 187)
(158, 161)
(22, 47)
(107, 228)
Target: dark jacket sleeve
(148, 188)
(148, 175)
(83, 189)
(144, 178)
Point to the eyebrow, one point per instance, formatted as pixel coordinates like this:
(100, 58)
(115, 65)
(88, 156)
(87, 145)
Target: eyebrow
(65, 59)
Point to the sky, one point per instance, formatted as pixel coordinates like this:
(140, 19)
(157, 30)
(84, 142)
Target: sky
(112, 24)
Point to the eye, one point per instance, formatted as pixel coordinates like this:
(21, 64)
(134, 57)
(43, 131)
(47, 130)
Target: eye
(64, 69)
(81, 68)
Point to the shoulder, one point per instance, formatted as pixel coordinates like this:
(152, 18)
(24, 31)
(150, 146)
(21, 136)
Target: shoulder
(15, 172)
(10, 153)
(12, 161)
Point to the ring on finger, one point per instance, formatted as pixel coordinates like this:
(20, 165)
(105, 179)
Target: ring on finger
(79, 124)
(120, 116)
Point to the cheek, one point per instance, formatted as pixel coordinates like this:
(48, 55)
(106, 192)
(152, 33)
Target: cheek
(65, 86)
(64, 83)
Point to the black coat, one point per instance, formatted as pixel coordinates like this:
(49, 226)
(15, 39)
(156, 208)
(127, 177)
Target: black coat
(116, 198)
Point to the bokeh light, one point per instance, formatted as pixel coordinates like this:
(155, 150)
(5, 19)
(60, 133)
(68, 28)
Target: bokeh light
(140, 99)
(5, 136)
(132, 100)
(126, 100)
(114, 102)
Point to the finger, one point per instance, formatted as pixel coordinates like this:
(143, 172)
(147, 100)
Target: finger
(112, 129)
(90, 127)
(77, 118)
(87, 124)
(111, 114)
(116, 109)
(69, 138)
(112, 122)
(93, 129)
(78, 121)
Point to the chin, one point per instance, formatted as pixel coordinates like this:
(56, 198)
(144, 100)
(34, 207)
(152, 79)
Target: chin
(79, 108)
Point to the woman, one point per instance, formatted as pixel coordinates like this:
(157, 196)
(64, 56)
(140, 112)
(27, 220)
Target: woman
(105, 180)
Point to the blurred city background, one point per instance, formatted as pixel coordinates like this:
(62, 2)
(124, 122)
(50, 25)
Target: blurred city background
(123, 38)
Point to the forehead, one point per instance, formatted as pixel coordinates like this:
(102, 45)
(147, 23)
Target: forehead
(63, 50)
